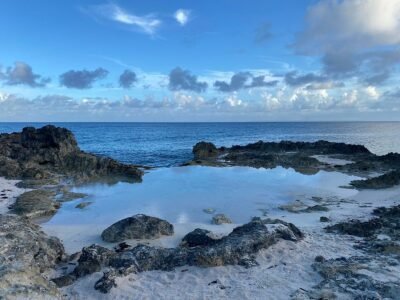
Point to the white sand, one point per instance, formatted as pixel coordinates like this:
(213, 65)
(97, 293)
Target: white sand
(284, 267)
(9, 190)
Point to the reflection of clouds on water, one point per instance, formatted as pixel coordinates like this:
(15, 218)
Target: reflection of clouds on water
(182, 218)
(180, 195)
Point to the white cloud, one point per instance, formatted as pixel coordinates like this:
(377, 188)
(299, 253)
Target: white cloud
(234, 101)
(3, 96)
(147, 24)
(372, 92)
(271, 102)
(349, 98)
(280, 104)
(182, 16)
(333, 25)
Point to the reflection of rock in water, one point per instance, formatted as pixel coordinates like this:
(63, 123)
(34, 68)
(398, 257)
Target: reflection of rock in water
(302, 157)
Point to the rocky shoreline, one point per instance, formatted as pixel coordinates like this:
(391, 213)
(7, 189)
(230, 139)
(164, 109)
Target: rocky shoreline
(49, 161)
(301, 156)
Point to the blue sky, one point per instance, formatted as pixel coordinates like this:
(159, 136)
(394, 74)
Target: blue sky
(199, 60)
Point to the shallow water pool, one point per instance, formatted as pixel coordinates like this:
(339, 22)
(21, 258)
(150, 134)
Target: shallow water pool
(179, 195)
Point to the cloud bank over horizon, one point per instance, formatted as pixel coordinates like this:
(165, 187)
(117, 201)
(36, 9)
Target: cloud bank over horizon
(339, 60)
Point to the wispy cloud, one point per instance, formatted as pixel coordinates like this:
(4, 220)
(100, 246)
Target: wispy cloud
(182, 16)
(147, 24)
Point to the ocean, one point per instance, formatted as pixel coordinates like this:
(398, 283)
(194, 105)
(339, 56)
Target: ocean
(170, 144)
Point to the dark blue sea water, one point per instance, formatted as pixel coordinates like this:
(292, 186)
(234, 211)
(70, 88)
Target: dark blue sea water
(168, 144)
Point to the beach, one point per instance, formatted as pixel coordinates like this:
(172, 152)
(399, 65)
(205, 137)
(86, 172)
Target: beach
(276, 220)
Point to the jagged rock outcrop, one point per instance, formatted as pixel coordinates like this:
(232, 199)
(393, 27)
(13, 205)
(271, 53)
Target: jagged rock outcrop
(40, 154)
(235, 248)
(25, 254)
(204, 150)
(301, 157)
(297, 155)
(319, 147)
(44, 156)
(137, 227)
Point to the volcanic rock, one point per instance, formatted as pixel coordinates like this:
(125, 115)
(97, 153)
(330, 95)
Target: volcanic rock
(26, 253)
(137, 227)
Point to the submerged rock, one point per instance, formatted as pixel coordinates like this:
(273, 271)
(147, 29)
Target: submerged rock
(36, 203)
(235, 248)
(69, 196)
(26, 253)
(84, 204)
(220, 219)
(300, 207)
(324, 219)
(209, 210)
(315, 208)
(137, 227)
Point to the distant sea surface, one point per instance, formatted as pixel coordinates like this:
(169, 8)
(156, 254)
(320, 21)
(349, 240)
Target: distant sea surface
(169, 144)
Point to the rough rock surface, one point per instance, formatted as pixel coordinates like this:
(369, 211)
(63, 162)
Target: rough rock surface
(137, 227)
(219, 219)
(300, 156)
(106, 282)
(349, 276)
(36, 203)
(42, 157)
(235, 248)
(38, 154)
(381, 234)
(204, 150)
(25, 254)
(198, 237)
(387, 222)
(297, 155)
(384, 181)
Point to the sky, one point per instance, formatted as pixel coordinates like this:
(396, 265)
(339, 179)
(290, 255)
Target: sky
(177, 61)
